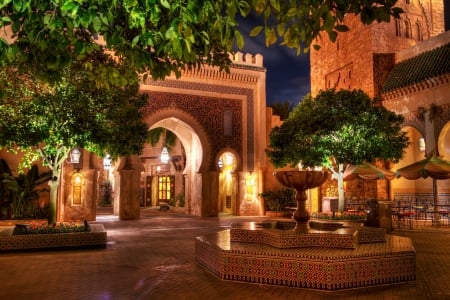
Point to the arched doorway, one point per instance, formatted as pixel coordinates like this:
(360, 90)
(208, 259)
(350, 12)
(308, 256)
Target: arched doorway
(227, 164)
(414, 152)
(181, 175)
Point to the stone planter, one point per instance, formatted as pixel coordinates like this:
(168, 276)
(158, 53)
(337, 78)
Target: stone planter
(95, 238)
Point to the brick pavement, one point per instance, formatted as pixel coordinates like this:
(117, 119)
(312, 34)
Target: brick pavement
(153, 258)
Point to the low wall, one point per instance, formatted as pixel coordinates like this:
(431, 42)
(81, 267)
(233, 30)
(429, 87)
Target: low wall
(95, 238)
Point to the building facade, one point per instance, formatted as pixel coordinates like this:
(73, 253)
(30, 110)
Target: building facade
(404, 63)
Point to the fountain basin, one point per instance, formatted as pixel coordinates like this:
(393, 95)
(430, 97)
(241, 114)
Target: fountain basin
(245, 252)
(281, 234)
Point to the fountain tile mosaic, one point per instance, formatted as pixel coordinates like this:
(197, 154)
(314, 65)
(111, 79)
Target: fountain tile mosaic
(377, 259)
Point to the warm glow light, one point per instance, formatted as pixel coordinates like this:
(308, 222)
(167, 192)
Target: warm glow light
(107, 162)
(250, 180)
(77, 180)
(250, 183)
(421, 144)
(165, 155)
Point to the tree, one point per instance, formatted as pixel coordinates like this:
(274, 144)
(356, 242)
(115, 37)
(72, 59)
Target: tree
(336, 129)
(46, 122)
(158, 37)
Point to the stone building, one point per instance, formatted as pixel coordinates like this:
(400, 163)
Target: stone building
(405, 63)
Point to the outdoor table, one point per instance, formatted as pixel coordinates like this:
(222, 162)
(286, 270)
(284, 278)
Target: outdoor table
(440, 213)
(420, 210)
(403, 213)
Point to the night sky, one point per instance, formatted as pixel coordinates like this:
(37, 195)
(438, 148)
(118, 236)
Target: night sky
(287, 77)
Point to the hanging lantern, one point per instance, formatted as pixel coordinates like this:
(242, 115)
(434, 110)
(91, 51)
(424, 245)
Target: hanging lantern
(165, 155)
(75, 155)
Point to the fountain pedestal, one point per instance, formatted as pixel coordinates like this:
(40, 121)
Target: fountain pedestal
(301, 181)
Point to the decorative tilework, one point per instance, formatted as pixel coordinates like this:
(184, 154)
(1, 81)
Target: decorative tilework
(95, 238)
(369, 263)
(213, 118)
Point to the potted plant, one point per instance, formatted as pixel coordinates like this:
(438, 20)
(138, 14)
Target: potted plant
(277, 203)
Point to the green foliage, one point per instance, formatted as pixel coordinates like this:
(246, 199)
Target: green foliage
(5, 194)
(297, 24)
(155, 36)
(159, 37)
(42, 228)
(155, 134)
(25, 190)
(278, 200)
(344, 127)
(47, 121)
(180, 198)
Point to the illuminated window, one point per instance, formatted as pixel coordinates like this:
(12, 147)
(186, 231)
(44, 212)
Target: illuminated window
(165, 187)
(77, 183)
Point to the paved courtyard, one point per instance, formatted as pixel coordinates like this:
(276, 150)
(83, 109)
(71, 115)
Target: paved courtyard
(153, 258)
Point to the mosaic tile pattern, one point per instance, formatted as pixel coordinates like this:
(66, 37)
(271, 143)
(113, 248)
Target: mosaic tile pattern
(369, 263)
(97, 237)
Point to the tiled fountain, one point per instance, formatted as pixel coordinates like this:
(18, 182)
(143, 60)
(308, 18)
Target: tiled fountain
(303, 253)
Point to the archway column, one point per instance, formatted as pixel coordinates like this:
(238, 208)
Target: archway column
(209, 184)
(127, 193)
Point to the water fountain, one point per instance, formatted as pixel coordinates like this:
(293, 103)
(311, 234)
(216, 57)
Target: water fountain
(304, 253)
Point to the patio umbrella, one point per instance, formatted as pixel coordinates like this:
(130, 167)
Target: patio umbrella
(434, 167)
(367, 171)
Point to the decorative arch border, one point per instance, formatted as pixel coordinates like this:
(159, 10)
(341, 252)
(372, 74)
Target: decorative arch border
(174, 112)
(412, 120)
(236, 155)
(231, 90)
(445, 116)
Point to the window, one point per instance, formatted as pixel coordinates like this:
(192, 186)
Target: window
(398, 31)
(165, 188)
(408, 29)
(227, 123)
(419, 32)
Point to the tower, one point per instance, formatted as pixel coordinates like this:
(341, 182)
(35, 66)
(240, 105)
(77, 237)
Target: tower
(362, 57)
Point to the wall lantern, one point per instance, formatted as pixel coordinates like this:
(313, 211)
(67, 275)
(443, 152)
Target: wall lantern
(107, 162)
(75, 155)
(421, 144)
(165, 155)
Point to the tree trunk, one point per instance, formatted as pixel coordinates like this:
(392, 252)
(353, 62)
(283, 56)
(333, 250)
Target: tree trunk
(55, 163)
(340, 179)
(52, 212)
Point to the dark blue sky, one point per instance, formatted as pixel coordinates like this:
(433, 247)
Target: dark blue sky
(287, 77)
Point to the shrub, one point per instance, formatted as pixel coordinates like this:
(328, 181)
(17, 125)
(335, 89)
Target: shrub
(278, 200)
